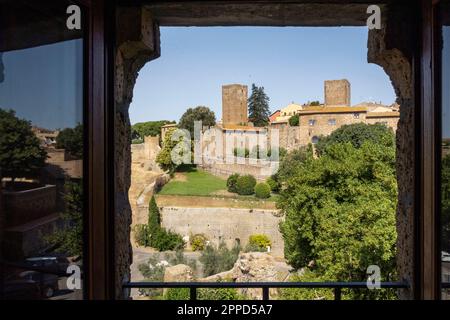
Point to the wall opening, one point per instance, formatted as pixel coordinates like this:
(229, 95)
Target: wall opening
(139, 45)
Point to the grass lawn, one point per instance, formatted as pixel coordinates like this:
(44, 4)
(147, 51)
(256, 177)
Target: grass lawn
(195, 183)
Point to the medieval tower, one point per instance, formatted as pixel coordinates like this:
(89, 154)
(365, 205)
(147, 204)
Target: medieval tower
(234, 104)
(337, 93)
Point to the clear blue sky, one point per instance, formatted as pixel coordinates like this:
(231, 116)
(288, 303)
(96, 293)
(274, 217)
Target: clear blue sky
(446, 84)
(45, 84)
(291, 64)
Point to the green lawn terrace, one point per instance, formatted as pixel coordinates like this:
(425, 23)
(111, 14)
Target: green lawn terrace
(191, 187)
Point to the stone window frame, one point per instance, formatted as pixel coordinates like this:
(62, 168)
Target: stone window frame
(394, 48)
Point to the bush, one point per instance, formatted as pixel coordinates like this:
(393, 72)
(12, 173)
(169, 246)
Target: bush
(203, 294)
(166, 240)
(216, 260)
(219, 294)
(294, 121)
(245, 185)
(198, 242)
(231, 183)
(273, 184)
(262, 190)
(141, 234)
(260, 241)
(177, 294)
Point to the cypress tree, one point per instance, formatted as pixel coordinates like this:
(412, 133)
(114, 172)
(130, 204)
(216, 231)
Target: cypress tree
(258, 107)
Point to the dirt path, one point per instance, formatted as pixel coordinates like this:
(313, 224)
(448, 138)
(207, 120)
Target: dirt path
(212, 202)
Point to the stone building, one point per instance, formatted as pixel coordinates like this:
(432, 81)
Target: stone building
(337, 92)
(322, 120)
(234, 104)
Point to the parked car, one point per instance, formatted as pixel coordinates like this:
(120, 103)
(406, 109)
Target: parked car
(47, 283)
(20, 289)
(49, 264)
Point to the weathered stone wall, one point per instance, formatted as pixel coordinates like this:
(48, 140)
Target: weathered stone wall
(234, 104)
(391, 122)
(225, 224)
(261, 170)
(137, 43)
(392, 47)
(337, 93)
(324, 126)
(289, 137)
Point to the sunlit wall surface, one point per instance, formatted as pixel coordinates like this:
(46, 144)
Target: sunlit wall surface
(41, 151)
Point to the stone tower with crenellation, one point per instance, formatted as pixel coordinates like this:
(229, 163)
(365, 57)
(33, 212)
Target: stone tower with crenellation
(337, 93)
(234, 104)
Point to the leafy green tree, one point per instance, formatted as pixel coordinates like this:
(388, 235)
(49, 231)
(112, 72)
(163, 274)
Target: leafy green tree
(220, 259)
(258, 107)
(357, 134)
(154, 218)
(340, 212)
(294, 121)
(69, 239)
(200, 113)
(71, 139)
(164, 157)
(20, 152)
(445, 202)
(314, 103)
(290, 162)
(150, 128)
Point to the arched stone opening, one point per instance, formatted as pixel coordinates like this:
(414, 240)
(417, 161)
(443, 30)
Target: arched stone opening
(391, 47)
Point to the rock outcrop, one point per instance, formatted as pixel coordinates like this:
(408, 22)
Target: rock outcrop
(254, 267)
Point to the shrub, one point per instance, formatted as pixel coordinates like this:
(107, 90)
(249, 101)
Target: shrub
(219, 294)
(260, 241)
(294, 121)
(166, 240)
(198, 242)
(216, 260)
(245, 185)
(262, 190)
(231, 183)
(273, 184)
(141, 234)
(177, 294)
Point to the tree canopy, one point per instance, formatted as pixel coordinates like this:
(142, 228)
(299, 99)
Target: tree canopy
(150, 128)
(71, 139)
(200, 113)
(340, 210)
(445, 202)
(69, 239)
(357, 134)
(258, 107)
(21, 154)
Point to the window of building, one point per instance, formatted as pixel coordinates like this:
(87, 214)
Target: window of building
(332, 122)
(312, 122)
(41, 189)
(315, 140)
(356, 115)
(445, 151)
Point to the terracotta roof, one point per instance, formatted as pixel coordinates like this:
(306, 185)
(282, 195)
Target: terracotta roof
(169, 125)
(242, 128)
(315, 110)
(393, 114)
